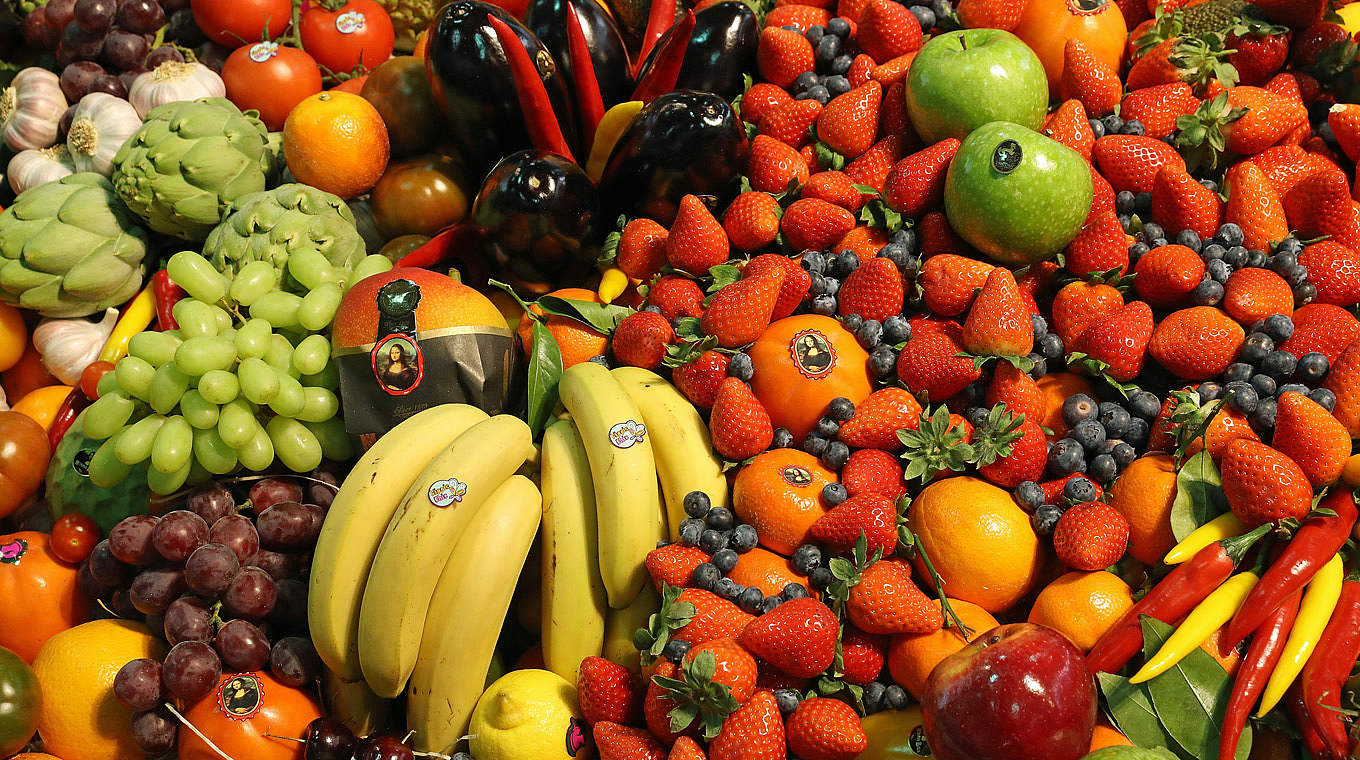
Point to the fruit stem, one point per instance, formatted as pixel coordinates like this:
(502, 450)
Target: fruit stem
(198, 733)
(952, 617)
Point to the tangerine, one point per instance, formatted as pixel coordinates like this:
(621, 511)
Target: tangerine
(801, 364)
(912, 656)
(767, 571)
(1144, 494)
(780, 495)
(1056, 388)
(576, 340)
(13, 336)
(336, 141)
(39, 594)
(1082, 606)
(240, 711)
(41, 404)
(1106, 735)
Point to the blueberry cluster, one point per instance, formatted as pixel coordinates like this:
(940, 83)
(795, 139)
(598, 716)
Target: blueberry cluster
(821, 441)
(931, 13)
(1262, 373)
(1113, 125)
(830, 45)
(1103, 437)
(1044, 516)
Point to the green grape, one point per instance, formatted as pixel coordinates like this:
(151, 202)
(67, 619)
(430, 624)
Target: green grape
(252, 340)
(108, 383)
(224, 319)
(328, 378)
(311, 355)
(105, 469)
(318, 307)
(280, 354)
(198, 411)
(236, 423)
(134, 443)
(107, 415)
(197, 475)
(167, 386)
(134, 376)
(173, 446)
(319, 405)
(195, 318)
(212, 453)
(290, 399)
(367, 267)
(252, 281)
(310, 269)
(165, 483)
(259, 381)
(156, 348)
(294, 445)
(192, 272)
(280, 308)
(196, 356)
(218, 386)
(258, 452)
(335, 442)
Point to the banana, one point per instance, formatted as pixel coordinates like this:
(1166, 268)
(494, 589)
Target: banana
(574, 599)
(466, 614)
(627, 502)
(434, 513)
(680, 441)
(354, 704)
(355, 523)
(620, 625)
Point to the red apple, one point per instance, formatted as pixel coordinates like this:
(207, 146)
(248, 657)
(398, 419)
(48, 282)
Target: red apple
(1018, 692)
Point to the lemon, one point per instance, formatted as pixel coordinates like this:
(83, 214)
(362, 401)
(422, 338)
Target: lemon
(528, 715)
(1350, 17)
(895, 735)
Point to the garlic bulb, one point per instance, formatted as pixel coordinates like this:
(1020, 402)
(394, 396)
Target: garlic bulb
(173, 81)
(68, 346)
(31, 168)
(99, 127)
(31, 108)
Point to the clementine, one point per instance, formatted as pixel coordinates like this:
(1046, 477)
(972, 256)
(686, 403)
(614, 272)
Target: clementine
(577, 341)
(912, 656)
(13, 336)
(1056, 387)
(336, 141)
(1144, 494)
(1082, 606)
(780, 494)
(767, 571)
(801, 364)
(1106, 735)
(39, 596)
(26, 375)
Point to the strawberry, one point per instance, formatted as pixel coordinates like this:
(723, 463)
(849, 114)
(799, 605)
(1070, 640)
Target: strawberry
(863, 655)
(893, 119)
(873, 290)
(740, 426)
(751, 221)
(788, 123)
(641, 339)
(1261, 51)
(1262, 484)
(887, 29)
(930, 364)
(798, 637)
(1159, 107)
(1070, 126)
(1322, 327)
(740, 311)
(1131, 162)
(878, 418)
(873, 471)
(1102, 195)
(1135, 11)
(984, 14)
(873, 166)
(868, 514)
(1285, 165)
(1017, 390)
(1166, 275)
(698, 380)
(1335, 270)
(642, 249)
(949, 282)
(1344, 119)
(1343, 379)
(863, 241)
(851, 9)
(849, 123)
(762, 98)
(1308, 434)
(1100, 246)
(1196, 343)
(1252, 294)
(814, 224)
(617, 742)
(685, 748)
(782, 55)
(676, 297)
(696, 241)
(827, 729)
(1016, 460)
(833, 187)
(1268, 118)
(774, 166)
(916, 183)
(942, 443)
(937, 237)
(754, 732)
(998, 322)
(1090, 536)
(887, 601)
(673, 564)
(861, 70)
(796, 281)
(799, 15)
(1077, 304)
(608, 691)
(1320, 204)
(1180, 202)
(1196, 61)
(1255, 206)
(1119, 339)
(714, 618)
(1089, 79)
(658, 703)
(1296, 14)
(734, 667)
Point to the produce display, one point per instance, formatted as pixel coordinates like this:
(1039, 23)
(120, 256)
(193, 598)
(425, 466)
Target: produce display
(675, 380)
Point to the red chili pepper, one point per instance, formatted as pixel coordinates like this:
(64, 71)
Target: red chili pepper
(587, 86)
(1267, 646)
(662, 75)
(660, 17)
(1171, 599)
(167, 294)
(456, 243)
(539, 117)
(71, 407)
(1298, 715)
(1317, 540)
(1330, 666)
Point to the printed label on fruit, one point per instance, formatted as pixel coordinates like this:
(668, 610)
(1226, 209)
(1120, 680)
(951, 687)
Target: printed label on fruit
(81, 462)
(796, 476)
(263, 51)
(1087, 7)
(576, 737)
(446, 492)
(917, 742)
(625, 434)
(12, 552)
(812, 354)
(240, 697)
(350, 22)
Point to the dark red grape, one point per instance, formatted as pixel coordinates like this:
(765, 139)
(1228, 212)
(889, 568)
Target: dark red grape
(290, 606)
(130, 539)
(79, 45)
(323, 493)
(95, 16)
(37, 33)
(188, 619)
(155, 731)
(277, 564)
(270, 491)
(154, 589)
(294, 661)
(138, 685)
(178, 534)
(183, 29)
(123, 607)
(383, 747)
(171, 6)
(111, 84)
(288, 525)
(236, 532)
(156, 624)
(105, 567)
(130, 76)
(213, 501)
(86, 584)
(212, 55)
(124, 50)
(242, 645)
(328, 739)
(167, 54)
(64, 123)
(191, 671)
(251, 594)
(59, 13)
(141, 16)
(210, 568)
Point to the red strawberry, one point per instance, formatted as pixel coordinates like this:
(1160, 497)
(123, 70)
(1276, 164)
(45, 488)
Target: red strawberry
(1196, 343)
(799, 15)
(696, 241)
(754, 732)
(930, 364)
(1119, 339)
(1017, 390)
(887, 601)
(1077, 304)
(873, 166)
(658, 703)
(1070, 126)
(1262, 484)
(1020, 459)
(1159, 107)
(641, 339)
(1252, 294)
(916, 183)
(1130, 162)
(863, 654)
(714, 618)
(873, 290)
(851, 9)
(798, 637)
(1268, 118)
(1344, 119)
(1286, 165)
(735, 667)
(1089, 79)
(617, 742)
(1261, 52)
(1100, 246)
(796, 281)
(893, 119)
(849, 123)
(1322, 327)
(608, 691)
(783, 54)
(998, 322)
(1167, 275)
(788, 123)
(699, 379)
(987, 14)
(1255, 206)
(949, 282)
(740, 426)
(861, 70)
(676, 297)
(773, 165)
(1102, 195)
(1320, 204)
(740, 311)
(686, 748)
(762, 98)
(1091, 536)
(1180, 202)
(751, 221)
(863, 241)
(833, 187)
(1296, 14)
(887, 29)
(814, 224)
(1335, 270)
(673, 564)
(873, 471)
(878, 418)
(1343, 379)
(937, 237)
(826, 729)
(869, 514)
(1308, 434)
(1178, 59)
(934, 449)
(642, 249)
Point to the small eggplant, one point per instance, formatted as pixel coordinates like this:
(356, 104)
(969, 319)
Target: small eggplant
(721, 51)
(539, 216)
(613, 70)
(681, 143)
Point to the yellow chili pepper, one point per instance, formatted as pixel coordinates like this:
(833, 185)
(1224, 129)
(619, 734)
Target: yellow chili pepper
(1216, 609)
(607, 133)
(612, 284)
(1224, 526)
(135, 318)
(1314, 612)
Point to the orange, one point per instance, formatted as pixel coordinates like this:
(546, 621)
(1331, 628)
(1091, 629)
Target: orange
(780, 494)
(41, 403)
(39, 594)
(577, 341)
(1229, 661)
(336, 141)
(912, 656)
(1057, 387)
(1082, 606)
(444, 302)
(1144, 494)
(81, 719)
(801, 364)
(27, 374)
(980, 541)
(34, 756)
(13, 336)
(767, 571)
(1106, 735)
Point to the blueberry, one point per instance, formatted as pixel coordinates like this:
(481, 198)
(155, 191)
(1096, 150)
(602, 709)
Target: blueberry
(895, 697)
(1290, 245)
(720, 518)
(768, 604)
(1304, 293)
(1065, 458)
(1219, 270)
(1030, 494)
(1159, 242)
(728, 589)
(1080, 489)
(1238, 371)
(1078, 407)
(1123, 453)
(1045, 519)
(1088, 433)
(808, 79)
(1137, 250)
(1279, 364)
(782, 438)
(1264, 384)
(836, 455)
(828, 47)
(819, 92)
(896, 329)
(1212, 252)
(873, 697)
(844, 263)
(1097, 126)
(743, 538)
(834, 493)
(1255, 348)
(924, 16)
(705, 576)
(1263, 418)
(1133, 127)
(751, 599)
(1292, 388)
(1142, 203)
(1189, 239)
(787, 700)
(1039, 324)
(1283, 260)
(1208, 391)
(1123, 202)
(976, 415)
(905, 237)
(806, 558)
(837, 84)
(740, 367)
(883, 360)
(1113, 124)
(1325, 398)
(894, 252)
(697, 504)
(942, 8)
(1144, 404)
(1137, 434)
(1312, 367)
(1256, 259)
(676, 649)
(724, 560)
(1209, 184)
(712, 540)
(814, 262)
(814, 34)
(1114, 418)
(842, 63)
(870, 334)
(1050, 346)
(1235, 256)
(839, 27)
(1207, 293)
(820, 578)
(1103, 468)
(815, 444)
(974, 393)
(690, 531)
(1295, 275)
(851, 322)
(794, 591)
(1152, 230)
(824, 305)
(827, 428)
(1040, 365)
(1242, 397)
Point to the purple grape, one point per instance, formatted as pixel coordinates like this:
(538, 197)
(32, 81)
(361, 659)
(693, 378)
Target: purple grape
(191, 671)
(243, 646)
(130, 76)
(155, 731)
(37, 32)
(290, 605)
(211, 502)
(64, 123)
(237, 533)
(124, 50)
(123, 607)
(59, 13)
(251, 594)
(95, 16)
(171, 6)
(154, 589)
(86, 584)
(277, 564)
(188, 619)
(138, 685)
(79, 45)
(130, 539)
(141, 16)
(214, 56)
(167, 54)
(288, 525)
(322, 494)
(111, 84)
(105, 567)
(294, 661)
(210, 568)
(178, 534)
(270, 491)
(183, 29)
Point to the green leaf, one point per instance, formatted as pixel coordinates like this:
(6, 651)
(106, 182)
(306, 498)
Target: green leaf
(1199, 495)
(545, 370)
(603, 317)
(1191, 697)
(723, 275)
(1130, 708)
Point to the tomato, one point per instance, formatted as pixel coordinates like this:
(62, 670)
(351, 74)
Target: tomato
(419, 197)
(358, 33)
(1047, 25)
(74, 537)
(240, 711)
(234, 23)
(39, 594)
(20, 702)
(271, 79)
(23, 459)
(89, 378)
(400, 90)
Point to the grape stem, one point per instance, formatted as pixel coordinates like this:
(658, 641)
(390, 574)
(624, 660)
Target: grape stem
(403, 741)
(197, 733)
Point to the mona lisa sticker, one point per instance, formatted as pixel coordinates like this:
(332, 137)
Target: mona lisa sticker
(240, 696)
(812, 354)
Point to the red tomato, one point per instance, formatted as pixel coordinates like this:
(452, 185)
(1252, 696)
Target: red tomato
(358, 33)
(74, 537)
(271, 79)
(1047, 25)
(89, 378)
(234, 23)
(240, 712)
(23, 459)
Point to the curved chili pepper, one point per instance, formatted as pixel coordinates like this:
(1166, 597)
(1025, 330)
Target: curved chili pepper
(1330, 666)
(1293, 704)
(1220, 527)
(1319, 601)
(135, 318)
(456, 243)
(1171, 599)
(660, 17)
(587, 86)
(539, 117)
(1316, 542)
(71, 407)
(662, 75)
(1267, 645)
(167, 294)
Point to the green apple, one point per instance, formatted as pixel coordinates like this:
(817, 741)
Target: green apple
(964, 79)
(1016, 195)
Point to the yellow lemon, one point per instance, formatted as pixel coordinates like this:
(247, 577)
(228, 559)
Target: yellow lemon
(1350, 17)
(528, 715)
(896, 735)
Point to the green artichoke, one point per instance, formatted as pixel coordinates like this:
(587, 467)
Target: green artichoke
(70, 248)
(190, 160)
(275, 224)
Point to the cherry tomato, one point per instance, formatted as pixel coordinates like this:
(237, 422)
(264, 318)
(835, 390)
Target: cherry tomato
(271, 79)
(74, 537)
(358, 33)
(23, 459)
(89, 378)
(233, 23)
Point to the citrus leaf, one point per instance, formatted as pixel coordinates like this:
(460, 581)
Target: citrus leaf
(1199, 495)
(602, 317)
(1191, 697)
(1130, 708)
(545, 370)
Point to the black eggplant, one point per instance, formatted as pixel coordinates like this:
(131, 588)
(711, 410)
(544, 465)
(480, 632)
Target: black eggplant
(539, 217)
(473, 85)
(721, 52)
(548, 20)
(681, 143)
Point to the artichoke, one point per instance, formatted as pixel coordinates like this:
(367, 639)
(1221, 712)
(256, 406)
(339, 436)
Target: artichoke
(275, 224)
(70, 248)
(410, 18)
(190, 160)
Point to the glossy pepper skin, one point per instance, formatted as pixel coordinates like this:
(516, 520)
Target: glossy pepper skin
(660, 70)
(1199, 625)
(1330, 666)
(1319, 601)
(721, 51)
(608, 55)
(167, 294)
(1267, 646)
(1298, 715)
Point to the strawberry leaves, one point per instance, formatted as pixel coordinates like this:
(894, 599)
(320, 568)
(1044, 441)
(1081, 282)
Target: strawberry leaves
(697, 697)
(1202, 138)
(673, 615)
(935, 447)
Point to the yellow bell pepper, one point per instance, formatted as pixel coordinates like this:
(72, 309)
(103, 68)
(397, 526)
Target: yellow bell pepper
(1216, 609)
(1224, 526)
(1314, 611)
(136, 317)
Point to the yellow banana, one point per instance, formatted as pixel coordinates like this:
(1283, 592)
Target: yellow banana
(356, 521)
(435, 512)
(574, 599)
(466, 614)
(680, 441)
(354, 704)
(623, 469)
(620, 625)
